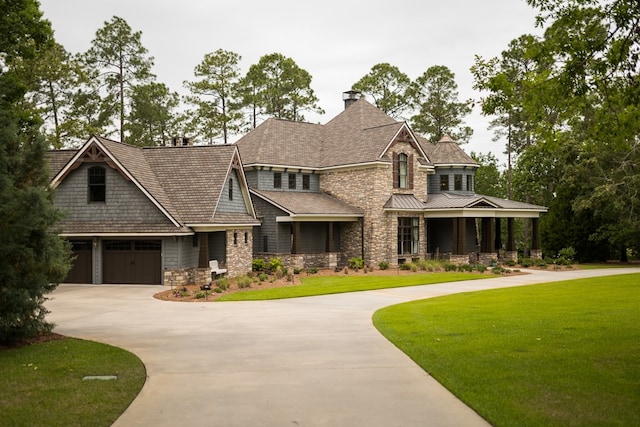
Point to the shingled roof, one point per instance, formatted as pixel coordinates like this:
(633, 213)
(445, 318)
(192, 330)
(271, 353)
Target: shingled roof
(185, 181)
(446, 152)
(359, 134)
(308, 204)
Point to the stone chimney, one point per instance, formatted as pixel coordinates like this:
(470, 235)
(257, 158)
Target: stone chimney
(180, 140)
(350, 96)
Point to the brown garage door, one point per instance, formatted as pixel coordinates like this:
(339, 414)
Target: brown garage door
(81, 265)
(132, 261)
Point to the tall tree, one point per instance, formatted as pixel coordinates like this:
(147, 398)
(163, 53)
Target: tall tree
(388, 87)
(153, 114)
(276, 86)
(434, 95)
(488, 178)
(120, 59)
(32, 256)
(212, 93)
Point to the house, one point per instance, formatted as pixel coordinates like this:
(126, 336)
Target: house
(154, 214)
(365, 185)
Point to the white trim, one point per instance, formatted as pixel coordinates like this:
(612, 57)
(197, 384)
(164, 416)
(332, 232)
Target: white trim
(456, 165)
(221, 227)
(132, 235)
(318, 218)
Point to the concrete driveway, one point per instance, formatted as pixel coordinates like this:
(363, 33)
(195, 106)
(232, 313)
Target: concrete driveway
(314, 361)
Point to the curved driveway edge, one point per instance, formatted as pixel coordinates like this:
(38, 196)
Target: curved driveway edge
(315, 361)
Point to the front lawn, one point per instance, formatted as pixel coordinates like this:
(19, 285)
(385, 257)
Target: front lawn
(564, 353)
(323, 285)
(42, 384)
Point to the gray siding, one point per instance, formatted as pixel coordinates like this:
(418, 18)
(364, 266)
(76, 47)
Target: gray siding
(278, 235)
(236, 205)
(263, 180)
(124, 202)
(179, 252)
(433, 185)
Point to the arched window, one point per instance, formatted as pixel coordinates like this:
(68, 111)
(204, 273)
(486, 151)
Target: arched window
(97, 184)
(402, 170)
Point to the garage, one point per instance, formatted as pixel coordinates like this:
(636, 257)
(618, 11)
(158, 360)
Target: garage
(132, 262)
(81, 265)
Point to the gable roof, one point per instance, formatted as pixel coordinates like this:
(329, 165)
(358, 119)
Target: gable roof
(446, 152)
(477, 205)
(184, 182)
(360, 134)
(309, 205)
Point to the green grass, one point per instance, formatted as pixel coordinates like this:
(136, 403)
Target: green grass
(323, 285)
(557, 354)
(608, 265)
(42, 384)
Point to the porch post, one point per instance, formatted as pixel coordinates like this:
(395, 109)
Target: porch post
(296, 238)
(454, 240)
(487, 232)
(535, 238)
(498, 240)
(462, 236)
(203, 253)
(330, 242)
(510, 235)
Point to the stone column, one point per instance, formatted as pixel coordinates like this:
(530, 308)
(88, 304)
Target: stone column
(296, 238)
(511, 253)
(330, 242)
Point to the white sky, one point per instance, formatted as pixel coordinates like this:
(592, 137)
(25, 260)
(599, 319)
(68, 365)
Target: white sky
(336, 41)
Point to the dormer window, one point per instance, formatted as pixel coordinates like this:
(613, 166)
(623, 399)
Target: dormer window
(402, 170)
(444, 182)
(97, 184)
(457, 182)
(277, 180)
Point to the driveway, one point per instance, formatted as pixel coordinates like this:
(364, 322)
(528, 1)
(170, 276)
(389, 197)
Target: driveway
(314, 361)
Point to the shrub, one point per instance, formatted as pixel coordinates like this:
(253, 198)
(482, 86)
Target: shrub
(223, 284)
(481, 268)
(567, 255)
(290, 276)
(278, 272)
(510, 263)
(383, 265)
(218, 290)
(465, 267)
(244, 282)
(274, 263)
(450, 267)
(356, 263)
(526, 262)
(298, 270)
(497, 270)
(312, 270)
(201, 294)
(406, 266)
(258, 264)
(263, 277)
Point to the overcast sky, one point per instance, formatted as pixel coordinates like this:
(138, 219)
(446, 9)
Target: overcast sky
(336, 41)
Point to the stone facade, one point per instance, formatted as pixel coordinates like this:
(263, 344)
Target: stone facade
(369, 188)
(187, 276)
(239, 251)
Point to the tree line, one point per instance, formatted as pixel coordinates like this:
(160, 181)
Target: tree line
(111, 90)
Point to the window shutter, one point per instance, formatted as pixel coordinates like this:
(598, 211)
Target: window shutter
(410, 172)
(396, 171)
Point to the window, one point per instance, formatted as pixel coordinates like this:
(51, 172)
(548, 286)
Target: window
(277, 180)
(402, 170)
(97, 184)
(469, 182)
(246, 237)
(230, 188)
(235, 238)
(292, 181)
(457, 182)
(306, 181)
(444, 182)
(408, 236)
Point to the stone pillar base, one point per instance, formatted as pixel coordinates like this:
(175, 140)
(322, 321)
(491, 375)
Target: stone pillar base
(487, 258)
(458, 259)
(536, 253)
(511, 255)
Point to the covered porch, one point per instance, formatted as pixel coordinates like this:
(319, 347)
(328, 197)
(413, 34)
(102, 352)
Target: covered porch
(469, 229)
